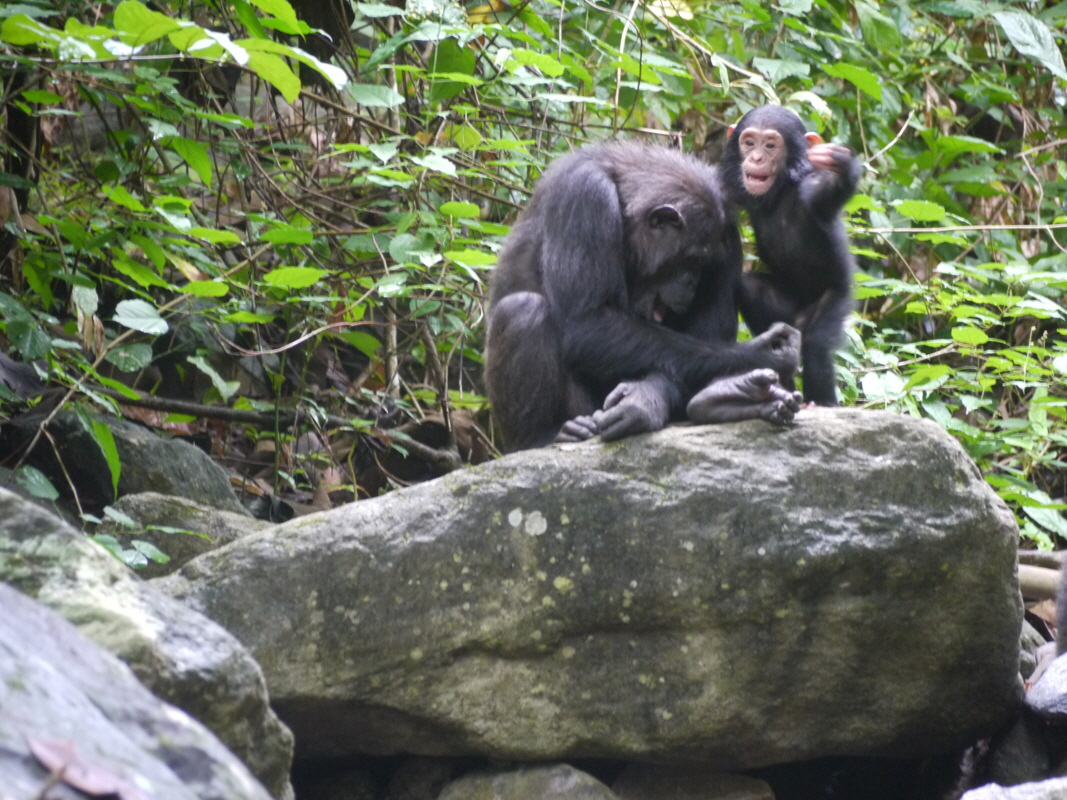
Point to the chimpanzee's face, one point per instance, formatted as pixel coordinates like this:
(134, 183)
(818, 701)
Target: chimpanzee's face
(763, 156)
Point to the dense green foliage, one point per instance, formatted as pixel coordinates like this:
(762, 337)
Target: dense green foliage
(374, 184)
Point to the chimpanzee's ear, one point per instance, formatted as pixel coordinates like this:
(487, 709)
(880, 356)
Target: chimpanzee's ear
(813, 138)
(665, 215)
(730, 131)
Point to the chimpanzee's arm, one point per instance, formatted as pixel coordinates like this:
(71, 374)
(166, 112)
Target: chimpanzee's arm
(835, 178)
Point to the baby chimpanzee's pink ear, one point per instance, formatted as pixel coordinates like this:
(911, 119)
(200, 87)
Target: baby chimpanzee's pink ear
(813, 138)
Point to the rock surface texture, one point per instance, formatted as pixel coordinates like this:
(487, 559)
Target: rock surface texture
(67, 702)
(185, 659)
(741, 595)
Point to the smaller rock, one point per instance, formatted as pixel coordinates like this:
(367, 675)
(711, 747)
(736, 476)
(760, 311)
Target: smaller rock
(201, 528)
(150, 463)
(660, 782)
(1048, 696)
(1030, 641)
(1055, 789)
(66, 701)
(558, 782)
(178, 654)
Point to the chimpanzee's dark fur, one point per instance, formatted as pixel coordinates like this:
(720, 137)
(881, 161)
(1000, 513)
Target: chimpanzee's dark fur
(802, 242)
(623, 267)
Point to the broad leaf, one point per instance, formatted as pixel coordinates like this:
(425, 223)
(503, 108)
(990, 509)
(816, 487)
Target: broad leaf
(294, 277)
(1033, 38)
(140, 316)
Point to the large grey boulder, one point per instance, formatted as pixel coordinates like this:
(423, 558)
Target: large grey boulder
(184, 658)
(741, 595)
(66, 701)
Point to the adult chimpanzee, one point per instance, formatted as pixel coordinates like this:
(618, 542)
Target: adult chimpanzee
(793, 187)
(613, 303)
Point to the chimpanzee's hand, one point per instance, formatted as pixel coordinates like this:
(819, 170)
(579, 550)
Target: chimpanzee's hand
(577, 430)
(833, 157)
(632, 407)
(756, 394)
(780, 347)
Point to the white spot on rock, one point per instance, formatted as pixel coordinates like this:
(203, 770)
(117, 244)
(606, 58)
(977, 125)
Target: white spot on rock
(536, 524)
(515, 517)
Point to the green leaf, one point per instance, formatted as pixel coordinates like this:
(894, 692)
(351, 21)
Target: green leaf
(466, 137)
(249, 19)
(436, 163)
(20, 30)
(205, 289)
(226, 389)
(778, 70)
(969, 335)
(1033, 38)
(150, 551)
(28, 339)
(544, 63)
(120, 196)
(130, 357)
(927, 373)
(363, 342)
(878, 30)
(337, 76)
(449, 57)
(121, 517)
(275, 72)
(195, 155)
(374, 96)
(214, 236)
(282, 11)
(36, 483)
(954, 145)
(137, 25)
(287, 235)
(140, 316)
(105, 440)
(456, 209)
(41, 96)
(85, 299)
(472, 258)
(384, 151)
(864, 80)
(249, 317)
(294, 277)
(137, 272)
(920, 210)
(112, 545)
(862, 202)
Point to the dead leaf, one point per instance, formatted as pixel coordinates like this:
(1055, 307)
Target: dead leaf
(61, 757)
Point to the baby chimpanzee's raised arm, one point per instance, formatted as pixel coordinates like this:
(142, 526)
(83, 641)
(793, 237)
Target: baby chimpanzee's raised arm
(793, 187)
(613, 302)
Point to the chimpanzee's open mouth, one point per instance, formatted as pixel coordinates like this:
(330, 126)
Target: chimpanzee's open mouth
(757, 181)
